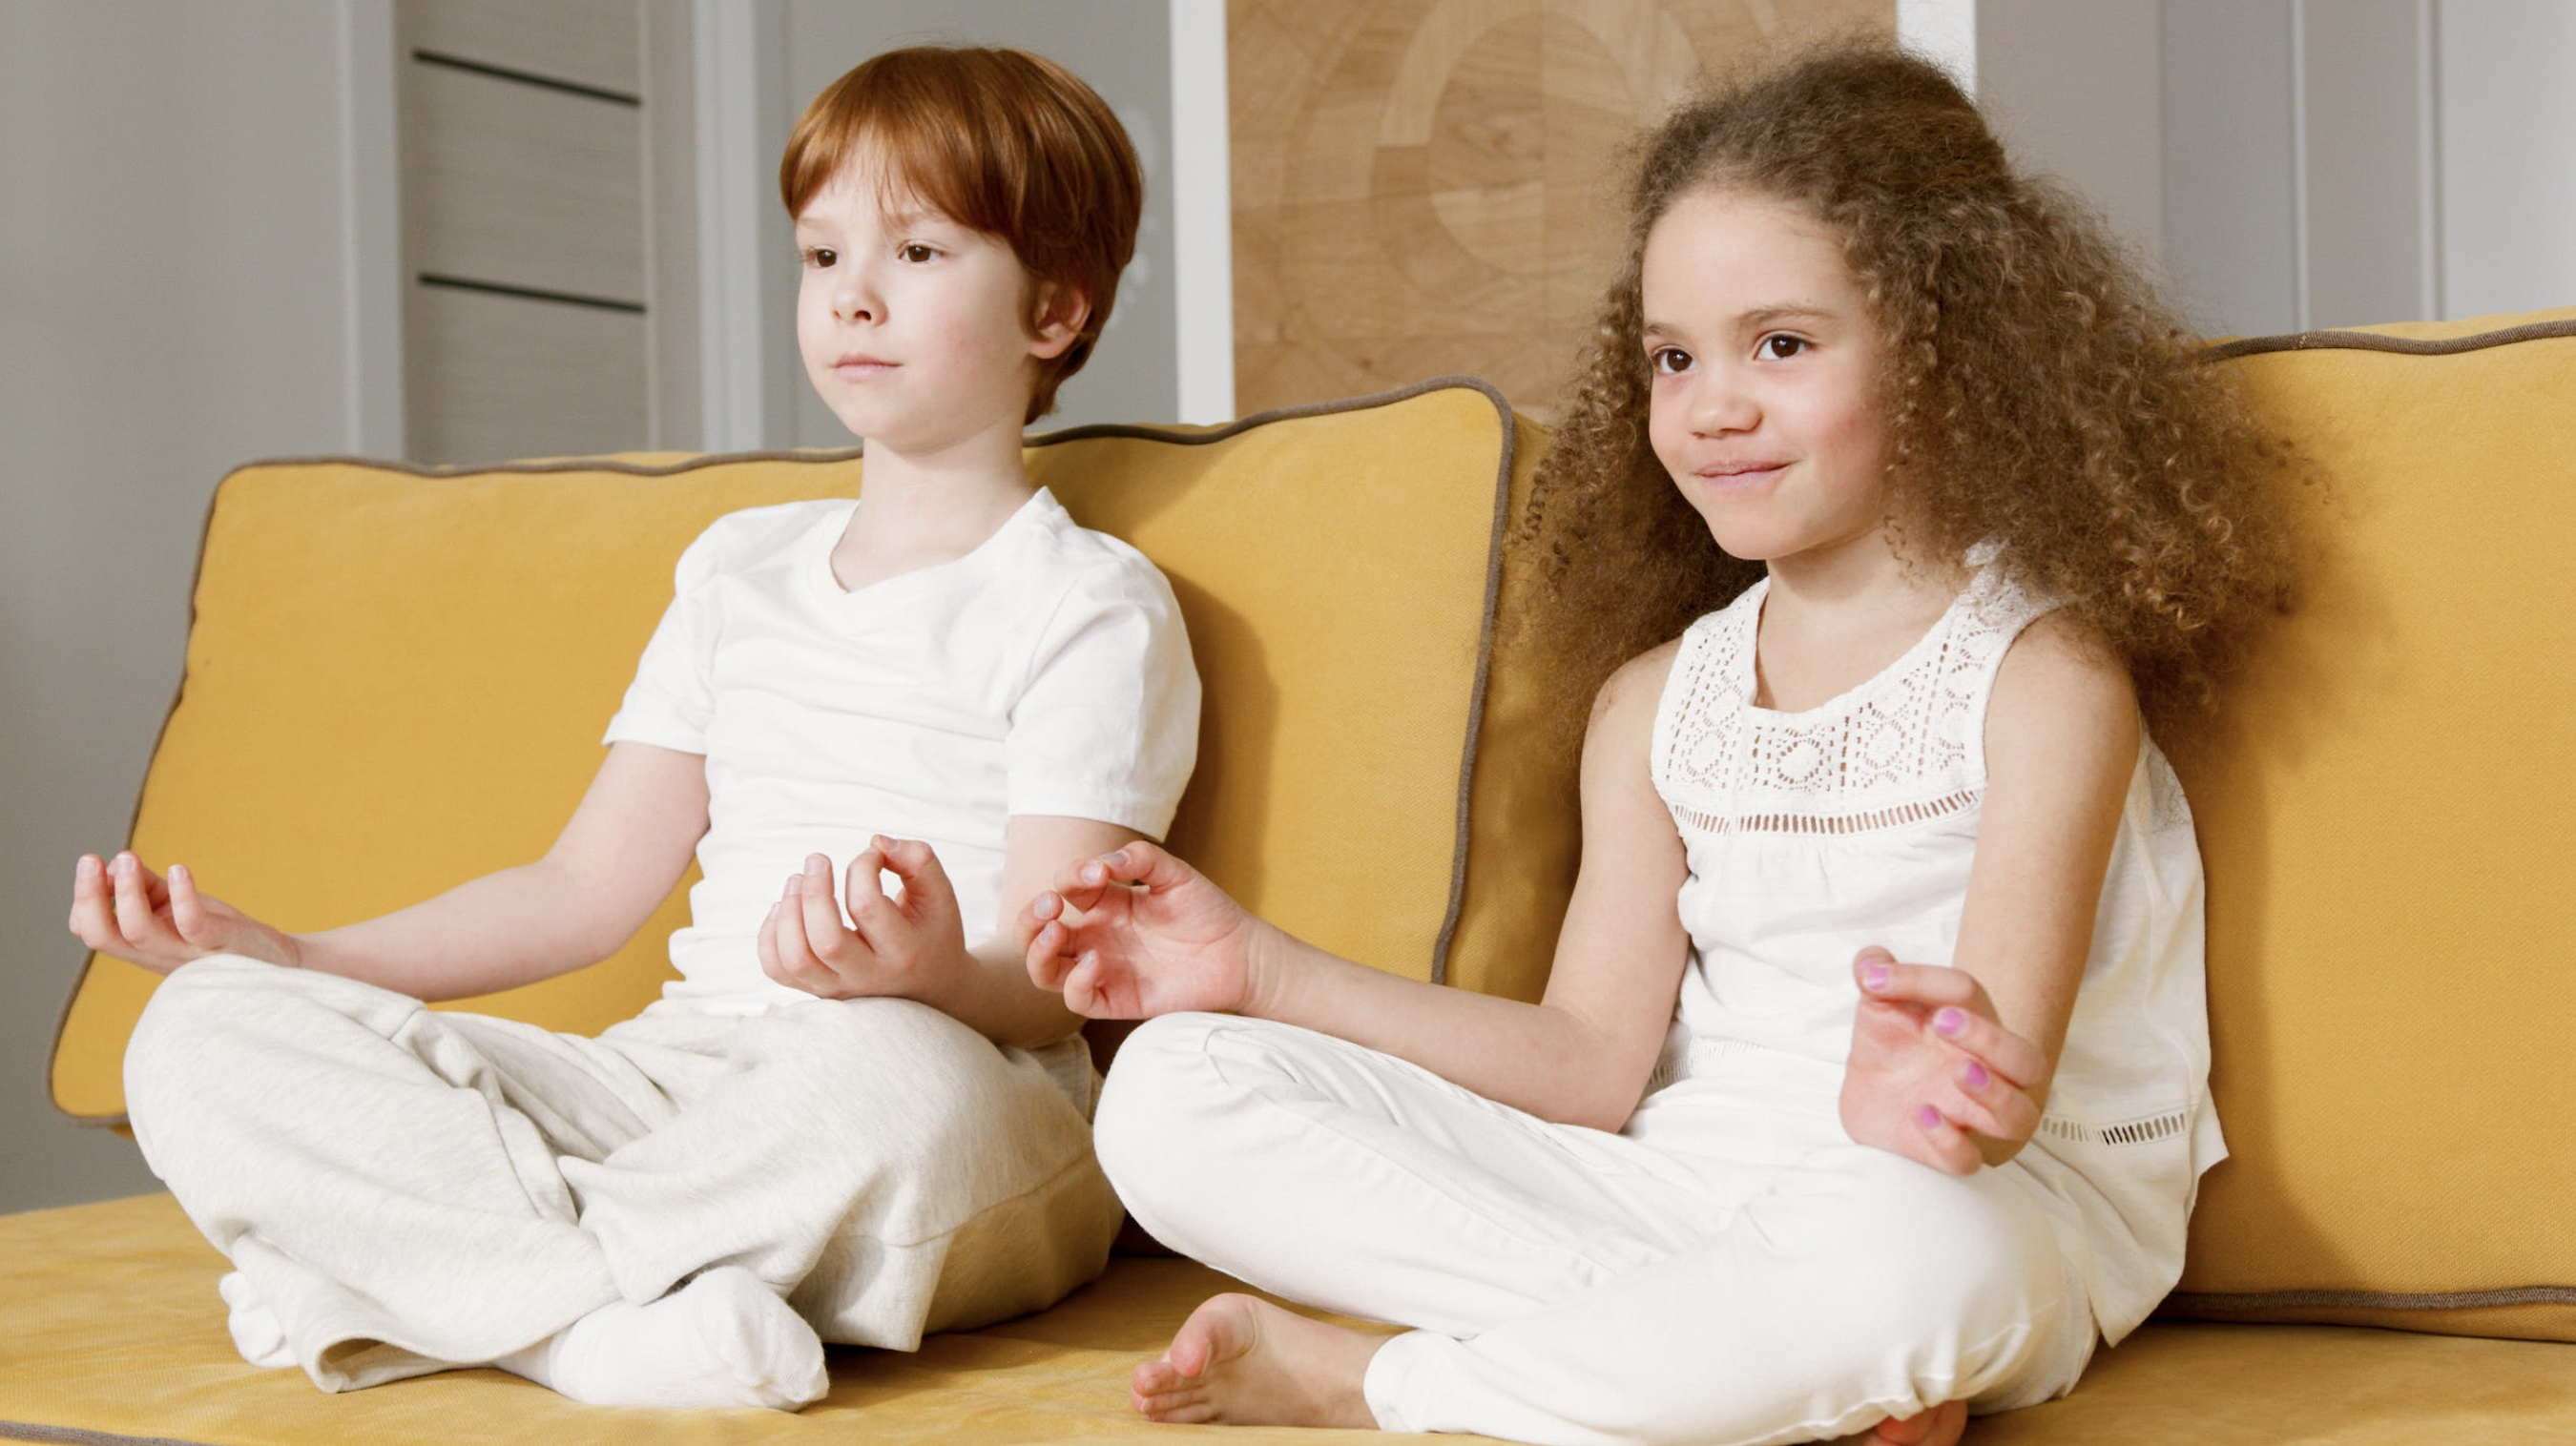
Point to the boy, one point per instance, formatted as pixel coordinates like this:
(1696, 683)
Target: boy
(853, 1129)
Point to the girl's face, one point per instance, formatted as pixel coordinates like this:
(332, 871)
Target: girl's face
(1766, 377)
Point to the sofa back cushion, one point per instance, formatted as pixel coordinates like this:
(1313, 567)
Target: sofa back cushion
(2392, 901)
(397, 678)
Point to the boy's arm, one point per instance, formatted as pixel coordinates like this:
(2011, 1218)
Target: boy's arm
(913, 946)
(626, 844)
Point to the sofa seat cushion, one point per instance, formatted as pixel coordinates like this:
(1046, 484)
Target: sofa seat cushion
(110, 1330)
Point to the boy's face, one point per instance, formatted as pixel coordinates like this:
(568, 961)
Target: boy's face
(915, 329)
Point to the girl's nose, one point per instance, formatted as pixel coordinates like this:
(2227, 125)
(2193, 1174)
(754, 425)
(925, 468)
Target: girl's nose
(1720, 404)
(855, 301)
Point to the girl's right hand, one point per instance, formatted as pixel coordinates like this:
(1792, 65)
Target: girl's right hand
(1137, 933)
(119, 907)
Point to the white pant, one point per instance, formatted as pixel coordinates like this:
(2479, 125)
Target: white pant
(1728, 1268)
(409, 1190)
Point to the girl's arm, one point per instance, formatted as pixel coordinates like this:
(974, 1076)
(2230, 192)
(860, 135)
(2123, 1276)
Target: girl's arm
(618, 857)
(1977, 1043)
(1581, 1056)
(913, 946)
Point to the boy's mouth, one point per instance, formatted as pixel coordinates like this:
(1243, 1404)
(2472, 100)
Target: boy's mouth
(859, 364)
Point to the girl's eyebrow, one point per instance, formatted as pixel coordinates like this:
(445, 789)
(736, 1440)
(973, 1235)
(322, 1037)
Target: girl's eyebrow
(1786, 311)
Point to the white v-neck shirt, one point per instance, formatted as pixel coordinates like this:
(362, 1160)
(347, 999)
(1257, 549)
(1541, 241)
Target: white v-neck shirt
(1045, 672)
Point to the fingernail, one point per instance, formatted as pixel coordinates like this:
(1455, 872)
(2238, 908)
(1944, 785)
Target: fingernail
(795, 883)
(1950, 1021)
(179, 872)
(817, 864)
(1094, 874)
(1974, 1076)
(881, 843)
(1927, 1117)
(86, 867)
(1874, 977)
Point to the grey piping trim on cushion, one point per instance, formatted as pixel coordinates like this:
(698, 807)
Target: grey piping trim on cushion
(1475, 697)
(2375, 341)
(76, 1436)
(2270, 1300)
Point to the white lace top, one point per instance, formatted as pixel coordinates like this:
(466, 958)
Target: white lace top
(1814, 833)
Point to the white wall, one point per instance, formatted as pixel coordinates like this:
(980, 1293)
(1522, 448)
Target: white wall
(175, 298)
(2299, 163)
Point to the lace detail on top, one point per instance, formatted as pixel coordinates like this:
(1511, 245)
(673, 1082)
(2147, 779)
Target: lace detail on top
(1904, 747)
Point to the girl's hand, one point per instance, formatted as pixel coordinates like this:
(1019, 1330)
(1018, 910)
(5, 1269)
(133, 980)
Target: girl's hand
(906, 946)
(1137, 933)
(119, 907)
(1934, 1075)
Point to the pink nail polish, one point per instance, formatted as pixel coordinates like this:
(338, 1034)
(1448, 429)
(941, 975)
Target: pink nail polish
(1874, 977)
(1926, 1116)
(1950, 1021)
(1974, 1076)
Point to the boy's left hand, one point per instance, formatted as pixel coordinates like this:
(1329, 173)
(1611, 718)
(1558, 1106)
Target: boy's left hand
(903, 946)
(1934, 1075)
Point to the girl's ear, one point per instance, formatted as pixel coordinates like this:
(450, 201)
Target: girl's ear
(1057, 315)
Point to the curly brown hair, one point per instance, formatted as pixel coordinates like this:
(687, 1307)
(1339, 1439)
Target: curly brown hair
(2036, 391)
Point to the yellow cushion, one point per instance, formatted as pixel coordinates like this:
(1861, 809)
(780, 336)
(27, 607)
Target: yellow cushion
(397, 679)
(2385, 809)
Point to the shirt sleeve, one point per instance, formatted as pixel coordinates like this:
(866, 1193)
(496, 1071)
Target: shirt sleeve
(1108, 725)
(672, 699)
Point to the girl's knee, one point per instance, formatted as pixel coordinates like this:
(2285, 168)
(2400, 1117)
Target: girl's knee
(1151, 1130)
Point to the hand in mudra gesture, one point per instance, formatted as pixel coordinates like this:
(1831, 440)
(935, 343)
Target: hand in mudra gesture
(1137, 933)
(1933, 1071)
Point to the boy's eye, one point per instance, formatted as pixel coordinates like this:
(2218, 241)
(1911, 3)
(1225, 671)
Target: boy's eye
(915, 252)
(1781, 347)
(1669, 360)
(820, 257)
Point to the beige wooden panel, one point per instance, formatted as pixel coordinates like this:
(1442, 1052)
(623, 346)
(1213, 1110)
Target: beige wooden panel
(498, 377)
(1426, 186)
(520, 185)
(587, 42)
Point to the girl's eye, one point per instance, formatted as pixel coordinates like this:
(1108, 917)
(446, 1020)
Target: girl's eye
(915, 252)
(1669, 360)
(820, 257)
(1781, 347)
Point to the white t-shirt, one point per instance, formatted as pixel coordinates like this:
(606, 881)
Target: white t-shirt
(1045, 672)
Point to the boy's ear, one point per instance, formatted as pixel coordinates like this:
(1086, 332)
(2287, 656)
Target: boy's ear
(1056, 317)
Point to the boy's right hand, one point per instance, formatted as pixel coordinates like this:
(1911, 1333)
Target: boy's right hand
(1137, 933)
(121, 908)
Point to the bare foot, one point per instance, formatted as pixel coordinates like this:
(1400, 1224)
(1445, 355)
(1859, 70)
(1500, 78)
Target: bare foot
(1246, 1362)
(1943, 1425)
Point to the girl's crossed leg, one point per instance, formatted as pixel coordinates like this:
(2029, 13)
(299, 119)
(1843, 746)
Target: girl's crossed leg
(1730, 1268)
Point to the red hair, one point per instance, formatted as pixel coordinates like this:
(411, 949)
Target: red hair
(999, 141)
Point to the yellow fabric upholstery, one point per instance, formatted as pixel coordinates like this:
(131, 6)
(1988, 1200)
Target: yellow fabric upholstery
(109, 1328)
(397, 681)
(2382, 809)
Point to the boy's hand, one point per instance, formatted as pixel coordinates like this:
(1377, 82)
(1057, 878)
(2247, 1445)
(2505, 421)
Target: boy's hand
(1137, 933)
(1934, 1075)
(906, 946)
(121, 908)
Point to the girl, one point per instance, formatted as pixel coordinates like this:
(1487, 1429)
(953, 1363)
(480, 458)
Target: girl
(1851, 844)
(852, 1129)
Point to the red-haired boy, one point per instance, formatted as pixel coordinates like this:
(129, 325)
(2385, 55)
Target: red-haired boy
(853, 1118)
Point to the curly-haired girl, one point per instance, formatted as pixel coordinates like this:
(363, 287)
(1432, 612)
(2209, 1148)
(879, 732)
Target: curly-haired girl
(1921, 1048)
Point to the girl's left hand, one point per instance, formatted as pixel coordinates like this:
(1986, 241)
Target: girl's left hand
(1934, 1075)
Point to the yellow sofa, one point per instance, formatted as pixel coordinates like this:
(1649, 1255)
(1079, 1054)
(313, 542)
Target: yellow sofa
(396, 678)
